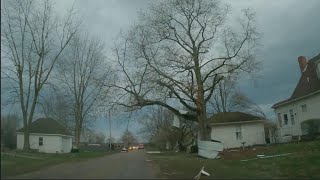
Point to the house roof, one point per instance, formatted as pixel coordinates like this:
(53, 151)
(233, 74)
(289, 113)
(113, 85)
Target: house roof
(232, 117)
(308, 83)
(46, 126)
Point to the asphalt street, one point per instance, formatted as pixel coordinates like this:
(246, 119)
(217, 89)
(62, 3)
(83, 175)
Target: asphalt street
(127, 165)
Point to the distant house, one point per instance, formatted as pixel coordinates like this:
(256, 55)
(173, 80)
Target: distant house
(235, 129)
(48, 136)
(304, 103)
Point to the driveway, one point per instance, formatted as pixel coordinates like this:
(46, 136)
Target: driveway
(131, 165)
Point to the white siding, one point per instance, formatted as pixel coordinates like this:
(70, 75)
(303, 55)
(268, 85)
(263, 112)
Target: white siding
(20, 141)
(252, 133)
(66, 144)
(51, 143)
(313, 111)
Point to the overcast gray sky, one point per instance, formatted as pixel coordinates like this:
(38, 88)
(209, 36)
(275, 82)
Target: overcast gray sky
(289, 28)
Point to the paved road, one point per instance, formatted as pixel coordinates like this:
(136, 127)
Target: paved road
(116, 166)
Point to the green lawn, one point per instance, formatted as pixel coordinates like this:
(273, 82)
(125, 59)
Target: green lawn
(304, 163)
(26, 162)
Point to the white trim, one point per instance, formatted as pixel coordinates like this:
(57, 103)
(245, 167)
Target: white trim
(47, 134)
(213, 124)
(291, 101)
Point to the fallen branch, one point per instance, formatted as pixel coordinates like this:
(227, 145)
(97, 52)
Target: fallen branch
(169, 174)
(263, 156)
(201, 172)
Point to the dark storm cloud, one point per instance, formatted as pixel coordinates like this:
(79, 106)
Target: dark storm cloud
(105, 19)
(289, 30)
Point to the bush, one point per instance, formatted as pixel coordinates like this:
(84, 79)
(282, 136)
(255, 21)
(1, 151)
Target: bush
(312, 127)
(194, 149)
(74, 150)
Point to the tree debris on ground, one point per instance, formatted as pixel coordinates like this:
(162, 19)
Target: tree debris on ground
(168, 174)
(153, 152)
(201, 172)
(263, 156)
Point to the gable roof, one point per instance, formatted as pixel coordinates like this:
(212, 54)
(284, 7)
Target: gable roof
(232, 117)
(46, 126)
(308, 83)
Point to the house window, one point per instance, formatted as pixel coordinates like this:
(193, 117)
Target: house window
(279, 119)
(291, 116)
(285, 118)
(238, 132)
(304, 108)
(40, 141)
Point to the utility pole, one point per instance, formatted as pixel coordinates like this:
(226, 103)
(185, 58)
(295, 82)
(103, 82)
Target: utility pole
(110, 132)
(128, 134)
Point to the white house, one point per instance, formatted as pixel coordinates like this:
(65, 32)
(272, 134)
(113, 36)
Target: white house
(48, 136)
(304, 103)
(235, 129)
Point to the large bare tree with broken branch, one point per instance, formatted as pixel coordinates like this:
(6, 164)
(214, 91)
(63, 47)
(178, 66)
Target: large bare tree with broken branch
(83, 73)
(32, 40)
(177, 53)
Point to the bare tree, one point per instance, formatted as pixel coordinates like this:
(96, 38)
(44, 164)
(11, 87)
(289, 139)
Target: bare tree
(112, 140)
(84, 74)
(247, 105)
(96, 137)
(155, 120)
(179, 51)
(100, 138)
(86, 134)
(128, 138)
(223, 98)
(32, 40)
(227, 98)
(55, 104)
(157, 126)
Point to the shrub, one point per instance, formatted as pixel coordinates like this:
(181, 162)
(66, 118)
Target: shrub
(74, 150)
(194, 149)
(312, 127)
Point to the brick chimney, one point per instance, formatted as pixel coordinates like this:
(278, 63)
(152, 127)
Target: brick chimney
(302, 63)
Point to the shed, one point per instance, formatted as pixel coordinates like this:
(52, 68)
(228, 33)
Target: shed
(46, 135)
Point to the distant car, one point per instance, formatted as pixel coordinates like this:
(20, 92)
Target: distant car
(140, 146)
(124, 150)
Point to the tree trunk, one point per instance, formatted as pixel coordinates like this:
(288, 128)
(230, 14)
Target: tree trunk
(204, 134)
(77, 138)
(77, 125)
(202, 119)
(200, 101)
(26, 144)
(77, 134)
(26, 133)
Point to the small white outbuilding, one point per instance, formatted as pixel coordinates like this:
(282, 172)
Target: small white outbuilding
(236, 129)
(46, 135)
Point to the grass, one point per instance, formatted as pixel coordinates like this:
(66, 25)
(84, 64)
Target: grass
(26, 162)
(304, 163)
